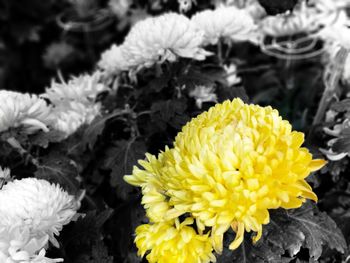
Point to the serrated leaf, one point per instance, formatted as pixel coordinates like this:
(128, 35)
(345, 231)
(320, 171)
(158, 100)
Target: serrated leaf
(205, 75)
(247, 252)
(99, 254)
(121, 158)
(43, 139)
(80, 236)
(96, 127)
(307, 227)
(170, 112)
(59, 169)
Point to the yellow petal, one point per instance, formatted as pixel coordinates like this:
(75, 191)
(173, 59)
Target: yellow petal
(239, 235)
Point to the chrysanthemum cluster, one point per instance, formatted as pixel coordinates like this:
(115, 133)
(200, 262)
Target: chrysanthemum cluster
(23, 110)
(32, 212)
(155, 40)
(227, 168)
(75, 102)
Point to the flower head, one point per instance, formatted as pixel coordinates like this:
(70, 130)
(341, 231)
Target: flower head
(203, 94)
(38, 205)
(157, 39)
(17, 246)
(23, 110)
(113, 60)
(298, 22)
(173, 242)
(234, 24)
(231, 74)
(84, 89)
(70, 116)
(227, 168)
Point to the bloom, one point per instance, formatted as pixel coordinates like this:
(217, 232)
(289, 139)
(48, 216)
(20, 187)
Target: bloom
(157, 39)
(23, 110)
(231, 74)
(203, 94)
(84, 89)
(227, 168)
(295, 23)
(113, 60)
(173, 242)
(17, 246)
(72, 115)
(38, 205)
(234, 24)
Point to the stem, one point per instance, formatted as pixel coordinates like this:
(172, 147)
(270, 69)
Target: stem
(219, 50)
(331, 79)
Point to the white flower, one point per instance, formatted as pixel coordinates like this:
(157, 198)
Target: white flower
(231, 75)
(84, 89)
(71, 115)
(185, 5)
(23, 110)
(203, 94)
(225, 22)
(285, 25)
(113, 60)
(166, 37)
(17, 246)
(38, 205)
(119, 7)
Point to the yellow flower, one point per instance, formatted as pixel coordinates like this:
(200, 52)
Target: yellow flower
(227, 168)
(173, 242)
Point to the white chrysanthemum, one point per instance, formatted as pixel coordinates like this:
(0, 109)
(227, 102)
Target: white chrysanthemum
(225, 22)
(166, 37)
(23, 110)
(203, 94)
(231, 74)
(71, 115)
(285, 25)
(185, 5)
(38, 205)
(119, 7)
(113, 60)
(84, 89)
(18, 246)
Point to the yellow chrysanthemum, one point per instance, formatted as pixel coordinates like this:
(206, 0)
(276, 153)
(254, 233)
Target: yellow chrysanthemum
(229, 166)
(173, 242)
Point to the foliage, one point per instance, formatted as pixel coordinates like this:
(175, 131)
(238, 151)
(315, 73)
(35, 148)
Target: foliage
(144, 110)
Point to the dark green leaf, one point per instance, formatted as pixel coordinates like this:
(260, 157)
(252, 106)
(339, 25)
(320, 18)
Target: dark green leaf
(99, 254)
(170, 112)
(306, 227)
(247, 252)
(121, 158)
(80, 236)
(43, 139)
(59, 169)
